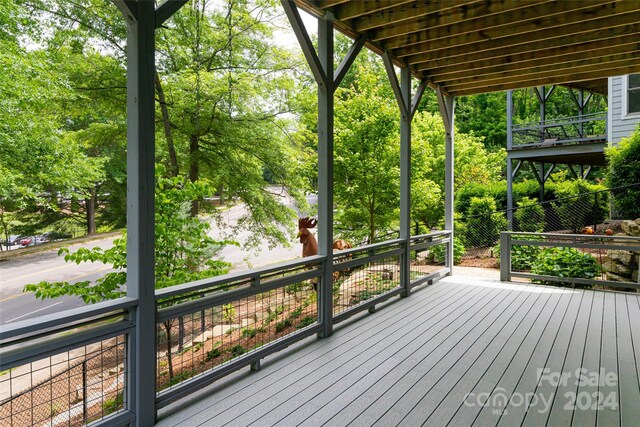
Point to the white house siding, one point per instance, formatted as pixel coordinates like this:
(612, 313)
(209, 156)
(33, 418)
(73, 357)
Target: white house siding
(620, 125)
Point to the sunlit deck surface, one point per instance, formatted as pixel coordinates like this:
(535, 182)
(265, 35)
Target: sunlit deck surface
(432, 359)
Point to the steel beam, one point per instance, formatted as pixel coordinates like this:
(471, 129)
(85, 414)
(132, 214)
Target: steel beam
(447, 109)
(141, 378)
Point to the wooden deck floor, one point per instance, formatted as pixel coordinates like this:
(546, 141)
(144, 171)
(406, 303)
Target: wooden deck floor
(451, 354)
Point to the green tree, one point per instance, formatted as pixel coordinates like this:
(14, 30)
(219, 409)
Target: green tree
(473, 163)
(41, 164)
(484, 116)
(366, 164)
(483, 224)
(184, 251)
(624, 175)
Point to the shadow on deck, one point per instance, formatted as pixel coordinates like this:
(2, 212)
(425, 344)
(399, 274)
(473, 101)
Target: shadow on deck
(460, 352)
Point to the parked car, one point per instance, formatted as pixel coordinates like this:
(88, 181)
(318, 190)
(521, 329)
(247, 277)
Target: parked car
(26, 241)
(12, 241)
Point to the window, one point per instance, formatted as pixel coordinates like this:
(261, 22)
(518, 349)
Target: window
(633, 93)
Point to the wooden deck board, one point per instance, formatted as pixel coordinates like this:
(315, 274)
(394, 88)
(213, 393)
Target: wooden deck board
(415, 361)
(461, 405)
(629, 386)
(608, 416)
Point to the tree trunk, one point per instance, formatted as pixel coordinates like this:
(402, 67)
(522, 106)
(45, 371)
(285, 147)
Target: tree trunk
(180, 333)
(166, 124)
(90, 206)
(167, 327)
(372, 226)
(194, 148)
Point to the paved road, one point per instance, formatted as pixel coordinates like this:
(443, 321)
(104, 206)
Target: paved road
(15, 273)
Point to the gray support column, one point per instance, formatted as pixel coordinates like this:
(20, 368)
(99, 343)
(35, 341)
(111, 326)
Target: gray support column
(542, 170)
(581, 113)
(447, 109)
(509, 161)
(509, 194)
(408, 107)
(325, 171)
(141, 378)
(405, 179)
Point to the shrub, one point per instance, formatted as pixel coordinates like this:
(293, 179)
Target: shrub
(281, 326)
(483, 223)
(212, 354)
(237, 350)
(529, 216)
(522, 256)
(249, 333)
(581, 204)
(564, 262)
(437, 252)
(624, 170)
(306, 321)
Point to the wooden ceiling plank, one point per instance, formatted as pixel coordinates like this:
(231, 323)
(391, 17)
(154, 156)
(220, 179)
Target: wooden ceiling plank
(587, 30)
(593, 64)
(569, 77)
(532, 59)
(411, 11)
(354, 9)
(511, 14)
(453, 64)
(459, 34)
(328, 4)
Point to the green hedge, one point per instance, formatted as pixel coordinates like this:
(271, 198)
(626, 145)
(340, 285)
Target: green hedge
(624, 171)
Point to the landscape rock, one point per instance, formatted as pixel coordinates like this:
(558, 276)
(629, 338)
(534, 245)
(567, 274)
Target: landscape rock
(203, 337)
(219, 330)
(630, 227)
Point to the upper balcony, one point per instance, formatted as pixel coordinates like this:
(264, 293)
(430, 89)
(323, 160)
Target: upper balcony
(572, 140)
(589, 128)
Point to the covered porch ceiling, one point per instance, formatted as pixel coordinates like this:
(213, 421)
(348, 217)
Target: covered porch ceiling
(467, 47)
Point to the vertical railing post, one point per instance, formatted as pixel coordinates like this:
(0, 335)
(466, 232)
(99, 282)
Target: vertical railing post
(505, 256)
(141, 346)
(85, 395)
(325, 171)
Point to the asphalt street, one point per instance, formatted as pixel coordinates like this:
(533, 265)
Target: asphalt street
(48, 266)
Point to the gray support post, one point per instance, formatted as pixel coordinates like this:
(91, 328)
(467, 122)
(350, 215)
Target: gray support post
(447, 110)
(505, 257)
(405, 180)
(141, 378)
(581, 113)
(509, 161)
(509, 193)
(325, 171)
(542, 168)
(408, 106)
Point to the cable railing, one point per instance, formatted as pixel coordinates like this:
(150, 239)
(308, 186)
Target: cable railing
(561, 131)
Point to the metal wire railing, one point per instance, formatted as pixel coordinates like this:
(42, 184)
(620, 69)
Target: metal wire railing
(66, 370)
(75, 369)
(571, 259)
(565, 130)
